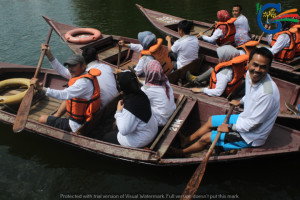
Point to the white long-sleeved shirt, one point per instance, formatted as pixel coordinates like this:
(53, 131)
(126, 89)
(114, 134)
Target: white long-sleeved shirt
(282, 41)
(261, 107)
(241, 23)
(139, 68)
(186, 49)
(213, 39)
(223, 77)
(107, 82)
(133, 132)
(162, 107)
(82, 88)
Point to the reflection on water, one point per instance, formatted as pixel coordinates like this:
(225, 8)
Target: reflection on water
(33, 167)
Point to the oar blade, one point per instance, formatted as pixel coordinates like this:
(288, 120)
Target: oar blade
(194, 182)
(23, 111)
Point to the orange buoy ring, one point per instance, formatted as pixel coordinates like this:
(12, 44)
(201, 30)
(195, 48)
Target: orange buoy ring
(87, 35)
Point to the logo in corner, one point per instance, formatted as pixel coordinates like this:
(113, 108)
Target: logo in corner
(269, 12)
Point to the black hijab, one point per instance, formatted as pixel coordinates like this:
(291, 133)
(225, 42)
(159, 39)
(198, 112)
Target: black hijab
(135, 100)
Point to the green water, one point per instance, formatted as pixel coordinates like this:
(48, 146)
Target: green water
(34, 167)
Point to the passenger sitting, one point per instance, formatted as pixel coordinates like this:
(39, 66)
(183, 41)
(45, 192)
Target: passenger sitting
(107, 79)
(150, 49)
(241, 26)
(82, 95)
(285, 45)
(224, 32)
(226, 76)
(159, 92)
(185, 49)
(136, 124)
(252, 127)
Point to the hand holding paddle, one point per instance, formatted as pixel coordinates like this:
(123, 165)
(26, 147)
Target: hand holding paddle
(195, 181)
(25, 105)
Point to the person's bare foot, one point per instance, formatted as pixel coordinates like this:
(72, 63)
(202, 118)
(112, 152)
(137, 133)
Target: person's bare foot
(183, 140)
(196, 90)
(174, 152)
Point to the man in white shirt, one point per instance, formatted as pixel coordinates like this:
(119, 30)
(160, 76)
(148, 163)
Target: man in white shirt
(186, 48)
(241, 26)
(241, 21)
(82, 88)
(252, 127)
(106, 81)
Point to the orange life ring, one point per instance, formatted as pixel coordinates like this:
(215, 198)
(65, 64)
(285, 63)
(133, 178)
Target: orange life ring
(93, 34)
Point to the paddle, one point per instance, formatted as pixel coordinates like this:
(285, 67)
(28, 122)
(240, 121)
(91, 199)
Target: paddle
(25, 105)
(213, 26)
(195, 181)
(119, 56)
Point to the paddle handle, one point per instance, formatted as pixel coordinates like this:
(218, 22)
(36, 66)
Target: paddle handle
(195, 181)
(209, 29)
(24, 108)
(260, 37)
(38, 67)
(119, 56)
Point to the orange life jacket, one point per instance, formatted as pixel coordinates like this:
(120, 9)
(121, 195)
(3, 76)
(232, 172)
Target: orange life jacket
(229, 36)
(160, 53)
(288, 53)
(248, 46)
(82, 110)
(239, 66)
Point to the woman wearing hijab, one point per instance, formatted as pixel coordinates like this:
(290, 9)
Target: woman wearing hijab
(136, 124)
(223, 76)
(147, 39)
(159, 92)
(224, 31)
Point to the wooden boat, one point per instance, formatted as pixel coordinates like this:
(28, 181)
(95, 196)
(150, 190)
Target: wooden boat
(108, 49)
(192, 114)
(167, 25)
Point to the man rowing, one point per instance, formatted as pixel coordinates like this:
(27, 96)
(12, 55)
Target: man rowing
(82, 95)
(250, 128)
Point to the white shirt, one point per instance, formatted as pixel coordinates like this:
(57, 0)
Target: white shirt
(133, 132)
(139, 68)
(213, 39)
(261, 107)
(162, 107)
(241, 23)
(223, 77)
(186, 49)
(107, 82)
(82, 88)
(282, 41)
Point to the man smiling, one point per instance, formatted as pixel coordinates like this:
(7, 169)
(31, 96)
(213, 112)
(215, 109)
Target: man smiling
(252, 127)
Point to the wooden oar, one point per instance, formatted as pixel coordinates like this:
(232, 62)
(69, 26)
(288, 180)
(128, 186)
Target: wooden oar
(205, 30)
(195, 181)
(25, 105)
(119, 56)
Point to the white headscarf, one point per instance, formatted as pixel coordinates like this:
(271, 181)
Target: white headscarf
(227, 52)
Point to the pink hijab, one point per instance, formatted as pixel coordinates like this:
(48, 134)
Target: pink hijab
(154, 75)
